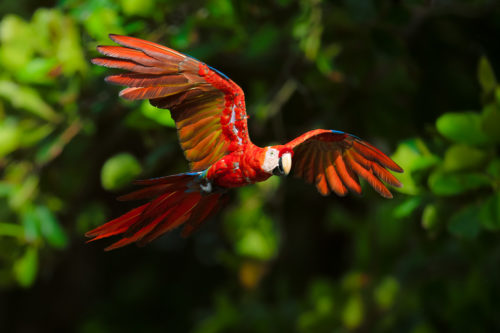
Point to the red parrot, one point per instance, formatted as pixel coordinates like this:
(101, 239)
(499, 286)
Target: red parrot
(209, 112)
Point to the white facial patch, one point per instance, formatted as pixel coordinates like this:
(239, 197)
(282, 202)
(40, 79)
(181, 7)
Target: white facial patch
(271, 160)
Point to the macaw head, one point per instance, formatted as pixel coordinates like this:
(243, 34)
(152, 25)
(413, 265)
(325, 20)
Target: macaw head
(277, 160)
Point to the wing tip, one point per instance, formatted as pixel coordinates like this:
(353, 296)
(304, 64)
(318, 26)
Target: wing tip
(113, 37)
(398, 169)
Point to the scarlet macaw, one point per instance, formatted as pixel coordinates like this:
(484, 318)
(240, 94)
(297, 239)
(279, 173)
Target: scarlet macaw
(209, 113)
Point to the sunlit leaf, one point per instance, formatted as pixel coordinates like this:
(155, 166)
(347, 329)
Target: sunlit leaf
(386, 292)
(462, 127)
(160, 116)
(137, 7)
(26, 267)
(38, 71)
(33, 133)
(65, 48)
(119, 170)
(26, 98)
(102, 21)
(11, 229)
(413, 155)
(257, 243)
(25, 192)
(353, 312)
(10, 136)
(463, 157)
(16, 48)
(251, 230)
(486, 75)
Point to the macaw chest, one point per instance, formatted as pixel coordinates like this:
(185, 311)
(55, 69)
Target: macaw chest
(236, 169)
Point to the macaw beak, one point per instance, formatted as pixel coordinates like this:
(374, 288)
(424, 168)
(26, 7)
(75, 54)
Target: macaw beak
(286, 163)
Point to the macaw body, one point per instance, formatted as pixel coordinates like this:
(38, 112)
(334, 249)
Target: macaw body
(209, 111)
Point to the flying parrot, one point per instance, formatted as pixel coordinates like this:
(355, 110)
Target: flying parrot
(209, 113)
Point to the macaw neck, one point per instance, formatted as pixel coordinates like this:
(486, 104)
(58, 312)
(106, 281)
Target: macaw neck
(239, 168)
(253, 158)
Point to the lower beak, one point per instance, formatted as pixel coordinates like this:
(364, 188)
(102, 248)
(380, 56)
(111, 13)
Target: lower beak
(286, 162)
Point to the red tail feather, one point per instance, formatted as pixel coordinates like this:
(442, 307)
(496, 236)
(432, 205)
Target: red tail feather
(176, 200)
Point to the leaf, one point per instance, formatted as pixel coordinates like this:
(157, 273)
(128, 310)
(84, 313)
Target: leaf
(462, 157)
(101, 21)
(407, 207)
(462, 127)
(119, 170)
(31, 225)
(257, 243)
(466, 223)
(442, 183)
(25, 192)
(352, 314)
(26, 267)
(38, 71)
(50, 228)
(64, 47)
(160, 116)
(26, 98)
(430, 217)
(486, 76)
(413, 155)
(137, 7)
(11, 229)
(33, 133)
(16, 43)
(493, 168)
(251, 272)
(490, 213)
(386, 292)
(490, 122)
(251, 230)
(10, 136)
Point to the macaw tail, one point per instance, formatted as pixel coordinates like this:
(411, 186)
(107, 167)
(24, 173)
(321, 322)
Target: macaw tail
(174, 200)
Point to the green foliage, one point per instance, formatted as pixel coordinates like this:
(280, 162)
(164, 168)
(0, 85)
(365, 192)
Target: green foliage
(468, 167)
(119, 171)
(462, 127)
(249, 227)
(410, 77)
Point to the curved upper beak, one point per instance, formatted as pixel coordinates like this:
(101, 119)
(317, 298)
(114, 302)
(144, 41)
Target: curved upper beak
(286, 163)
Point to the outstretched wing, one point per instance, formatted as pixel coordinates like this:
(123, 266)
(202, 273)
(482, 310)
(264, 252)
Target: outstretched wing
(333, 160)
(208, 107)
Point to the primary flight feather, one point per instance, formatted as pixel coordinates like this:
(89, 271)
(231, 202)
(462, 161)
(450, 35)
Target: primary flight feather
(209, 112)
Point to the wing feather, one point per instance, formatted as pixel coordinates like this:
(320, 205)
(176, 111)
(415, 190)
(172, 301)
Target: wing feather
(321, 183)
(334, 160)
(208, 108)
(333, 178)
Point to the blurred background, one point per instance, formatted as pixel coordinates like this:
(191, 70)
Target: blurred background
(416, 78)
